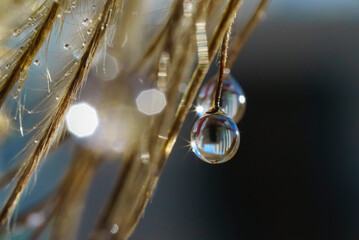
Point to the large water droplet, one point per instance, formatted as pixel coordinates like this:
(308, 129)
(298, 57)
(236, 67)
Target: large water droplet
(233, 100)
(215, 138)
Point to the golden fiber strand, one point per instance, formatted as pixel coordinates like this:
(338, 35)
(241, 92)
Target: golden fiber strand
(160, 38)
(10, 174)
(222, 66)
(135, 187)
(73, 191)
(28, 55)
(56, 120)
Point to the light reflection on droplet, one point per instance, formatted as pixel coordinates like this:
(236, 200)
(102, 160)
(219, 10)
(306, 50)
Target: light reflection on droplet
(151, 102)
(200, 110)
(82, 120)
(242, 99)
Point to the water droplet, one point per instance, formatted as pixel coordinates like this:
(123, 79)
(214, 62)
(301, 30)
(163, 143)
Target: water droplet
(7, 66)
(233, 100)
(37, 62)
(16, 32)
(67, 46)
(36, 141)
(215, 138)
(114, 229)
(85, 21)
(88, 31)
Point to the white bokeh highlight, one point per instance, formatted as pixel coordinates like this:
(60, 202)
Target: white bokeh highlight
(82, 120)
(151, 102)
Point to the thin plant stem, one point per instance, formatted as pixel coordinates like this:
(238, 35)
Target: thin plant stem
(222, 66)
(26, 58)
(56, 119)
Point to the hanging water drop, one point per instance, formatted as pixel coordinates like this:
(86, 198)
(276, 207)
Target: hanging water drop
(37, 62)
(215, 138)
(233, 100)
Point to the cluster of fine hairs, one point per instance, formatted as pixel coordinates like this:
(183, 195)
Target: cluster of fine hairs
(52, 49)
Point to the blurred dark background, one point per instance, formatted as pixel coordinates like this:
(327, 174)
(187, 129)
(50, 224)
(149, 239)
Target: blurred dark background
(296, 175)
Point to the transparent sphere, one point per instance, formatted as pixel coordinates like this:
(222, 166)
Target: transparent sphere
(233, 101)
(215, 138)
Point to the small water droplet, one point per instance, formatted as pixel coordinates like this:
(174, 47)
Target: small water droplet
(37, 62)
(67, 46)
(114, 229)
(85, 21)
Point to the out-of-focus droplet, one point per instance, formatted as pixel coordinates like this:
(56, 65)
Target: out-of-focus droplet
(215, 138)
(233, 100)
(37, 62)
(151, 102)
(107, 67)
(82, 120)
